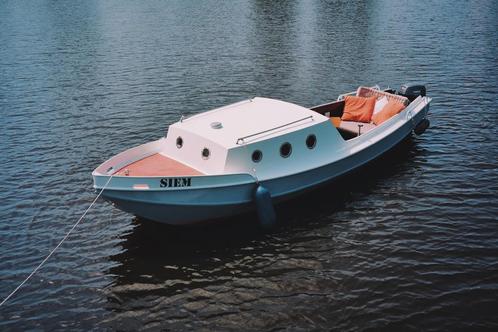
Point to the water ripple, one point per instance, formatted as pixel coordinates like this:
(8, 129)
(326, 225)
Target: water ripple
(409, 243)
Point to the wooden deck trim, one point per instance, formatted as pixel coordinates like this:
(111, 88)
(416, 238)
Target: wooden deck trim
(157, 165)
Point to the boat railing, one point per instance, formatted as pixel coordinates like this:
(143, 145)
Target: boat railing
(354, 93)
(241, 139)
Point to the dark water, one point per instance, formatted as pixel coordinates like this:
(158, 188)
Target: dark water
(410, 243)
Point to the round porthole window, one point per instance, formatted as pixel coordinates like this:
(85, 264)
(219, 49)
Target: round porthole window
(205, 153)
(285, 150)
(257, 156)
(311, 141)
(179, 142)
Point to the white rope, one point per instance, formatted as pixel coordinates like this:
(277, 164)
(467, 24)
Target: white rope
(58, 245)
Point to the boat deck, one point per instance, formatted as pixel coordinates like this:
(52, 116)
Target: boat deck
(157, 165)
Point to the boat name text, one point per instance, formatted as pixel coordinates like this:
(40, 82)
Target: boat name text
(175, 182)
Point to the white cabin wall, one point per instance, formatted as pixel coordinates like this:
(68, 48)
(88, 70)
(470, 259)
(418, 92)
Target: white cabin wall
(191, 151)
(329, 146)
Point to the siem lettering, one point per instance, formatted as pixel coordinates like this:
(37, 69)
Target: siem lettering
(175, 182)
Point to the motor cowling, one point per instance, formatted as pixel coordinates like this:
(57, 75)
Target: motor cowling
(412, 91)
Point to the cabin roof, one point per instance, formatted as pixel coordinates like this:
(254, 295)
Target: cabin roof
(245, 119)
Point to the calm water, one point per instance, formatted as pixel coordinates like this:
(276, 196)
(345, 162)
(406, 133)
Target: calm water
(410, 243)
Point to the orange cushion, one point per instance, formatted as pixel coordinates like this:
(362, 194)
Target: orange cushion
(392, 108)
(358, 109)
(336, 121)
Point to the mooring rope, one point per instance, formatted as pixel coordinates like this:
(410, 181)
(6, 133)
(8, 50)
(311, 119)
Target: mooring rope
(58, 245)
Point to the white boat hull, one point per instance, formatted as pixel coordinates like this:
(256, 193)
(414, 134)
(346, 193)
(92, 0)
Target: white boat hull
(196, 205)
(214, 197)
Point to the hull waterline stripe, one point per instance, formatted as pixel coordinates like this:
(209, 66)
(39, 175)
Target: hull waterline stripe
(58, 245)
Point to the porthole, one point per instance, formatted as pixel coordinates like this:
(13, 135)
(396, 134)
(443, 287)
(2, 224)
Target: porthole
(311, 141)
(179, 142)
(257, 156)
(285, 150)
(205, 153)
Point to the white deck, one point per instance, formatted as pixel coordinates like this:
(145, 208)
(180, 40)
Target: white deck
(249, 117)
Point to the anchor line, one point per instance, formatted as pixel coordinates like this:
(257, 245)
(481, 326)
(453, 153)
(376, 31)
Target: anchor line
(58, 245)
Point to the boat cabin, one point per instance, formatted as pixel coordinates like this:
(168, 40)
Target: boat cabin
(260, 136)
(254, 136)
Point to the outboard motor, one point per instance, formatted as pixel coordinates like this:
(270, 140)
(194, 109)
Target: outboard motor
(412, 91)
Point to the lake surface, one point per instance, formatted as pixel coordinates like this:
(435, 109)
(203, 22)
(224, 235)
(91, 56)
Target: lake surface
(408, 243)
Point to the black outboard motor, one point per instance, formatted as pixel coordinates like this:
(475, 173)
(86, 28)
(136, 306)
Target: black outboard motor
(412, 91)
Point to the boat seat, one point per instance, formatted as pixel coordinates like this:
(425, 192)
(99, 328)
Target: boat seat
(352, 127)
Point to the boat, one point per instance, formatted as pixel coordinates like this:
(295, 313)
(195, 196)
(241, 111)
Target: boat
(255, 153)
